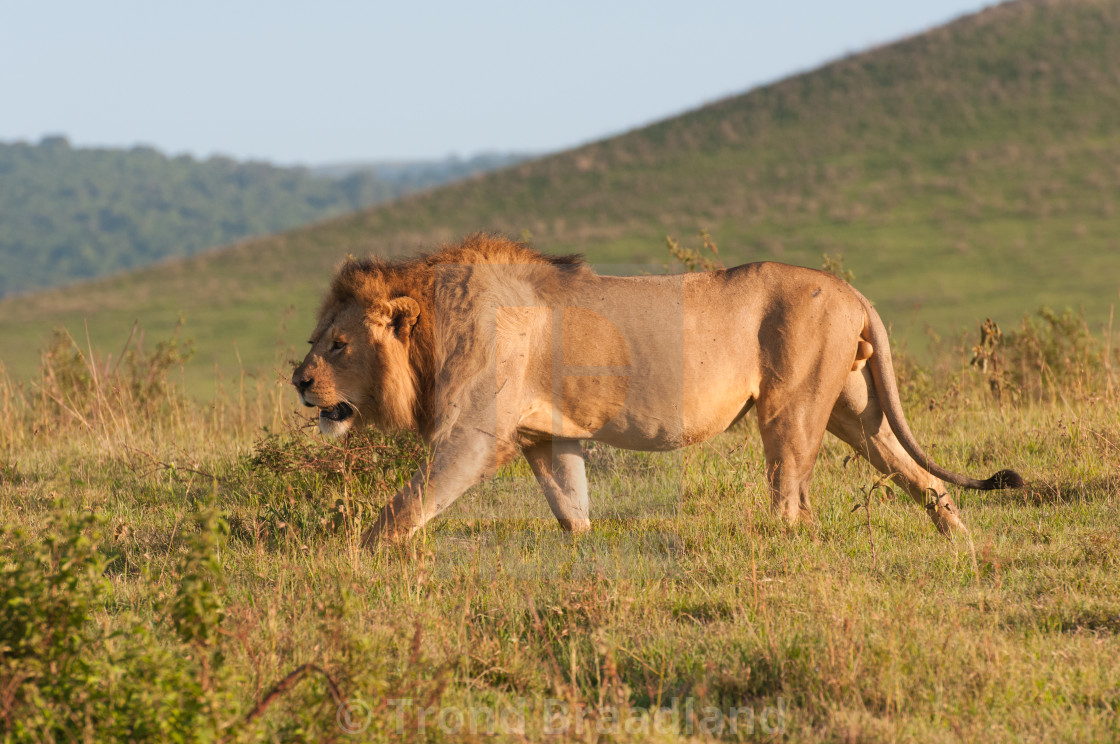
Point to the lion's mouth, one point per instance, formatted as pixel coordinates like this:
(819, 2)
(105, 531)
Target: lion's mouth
(339, 412)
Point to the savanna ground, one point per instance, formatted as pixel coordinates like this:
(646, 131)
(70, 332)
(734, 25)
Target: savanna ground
(177, 571)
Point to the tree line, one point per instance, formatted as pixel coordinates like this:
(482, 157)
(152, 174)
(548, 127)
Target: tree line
(71, 213)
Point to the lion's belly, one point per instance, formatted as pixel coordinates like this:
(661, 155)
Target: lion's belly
(641, 369)
(650, 428)
(639, 424)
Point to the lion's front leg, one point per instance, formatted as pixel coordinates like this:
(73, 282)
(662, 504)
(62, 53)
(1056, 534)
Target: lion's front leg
(456, 464)
(560, 470)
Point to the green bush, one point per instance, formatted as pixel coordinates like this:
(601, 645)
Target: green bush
(49, 589)
(70, 673)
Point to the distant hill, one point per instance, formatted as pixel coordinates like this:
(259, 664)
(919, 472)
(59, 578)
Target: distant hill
(77, 213)
(967, 172)
(406, 176)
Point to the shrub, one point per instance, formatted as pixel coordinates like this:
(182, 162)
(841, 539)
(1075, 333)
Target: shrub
(1051, 356)
(363, 452)
(835, 265)
(48, 590)
(66, 675)
(692, 259)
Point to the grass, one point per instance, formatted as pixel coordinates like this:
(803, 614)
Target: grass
(686, 606)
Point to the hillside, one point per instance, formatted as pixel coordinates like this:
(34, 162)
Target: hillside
(77, 213)
(971, 171)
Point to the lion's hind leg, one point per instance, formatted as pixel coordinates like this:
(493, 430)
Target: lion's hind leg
(560, 470)
(791, 439)
(858, 419)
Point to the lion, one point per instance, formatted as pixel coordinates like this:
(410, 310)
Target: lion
(488, 348)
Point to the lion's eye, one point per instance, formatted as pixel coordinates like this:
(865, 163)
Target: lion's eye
(338, 345)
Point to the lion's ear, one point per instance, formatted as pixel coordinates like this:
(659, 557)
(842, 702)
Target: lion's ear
(401, 314)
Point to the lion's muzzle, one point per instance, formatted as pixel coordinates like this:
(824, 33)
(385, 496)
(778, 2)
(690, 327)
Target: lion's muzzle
(302, 383)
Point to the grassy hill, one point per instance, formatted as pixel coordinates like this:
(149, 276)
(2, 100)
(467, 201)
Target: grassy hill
(967, 172)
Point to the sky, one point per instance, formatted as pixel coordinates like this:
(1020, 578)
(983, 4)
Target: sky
(334, 81)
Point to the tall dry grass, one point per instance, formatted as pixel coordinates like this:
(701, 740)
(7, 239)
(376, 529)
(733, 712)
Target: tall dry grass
(208, 573)
(108, 405)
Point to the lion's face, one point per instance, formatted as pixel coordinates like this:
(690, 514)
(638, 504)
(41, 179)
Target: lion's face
(358, 371)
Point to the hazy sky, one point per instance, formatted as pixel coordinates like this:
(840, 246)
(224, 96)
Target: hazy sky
(335, 80)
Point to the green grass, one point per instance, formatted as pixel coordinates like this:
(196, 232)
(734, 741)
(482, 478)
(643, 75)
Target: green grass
(865, 625)
(965, 173)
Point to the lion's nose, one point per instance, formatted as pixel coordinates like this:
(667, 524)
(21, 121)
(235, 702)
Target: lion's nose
(303, 383)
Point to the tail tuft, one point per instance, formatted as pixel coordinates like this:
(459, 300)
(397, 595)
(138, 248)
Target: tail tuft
(1004, 479)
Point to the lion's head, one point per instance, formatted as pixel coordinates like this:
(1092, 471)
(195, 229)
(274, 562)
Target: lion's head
(361, 368)
(373, 352)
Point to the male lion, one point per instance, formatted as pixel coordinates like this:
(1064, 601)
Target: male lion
(488, 347)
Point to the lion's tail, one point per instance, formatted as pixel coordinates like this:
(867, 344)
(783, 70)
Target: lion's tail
(882, 370)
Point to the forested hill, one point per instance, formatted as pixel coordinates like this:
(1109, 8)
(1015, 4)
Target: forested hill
(72, 213)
